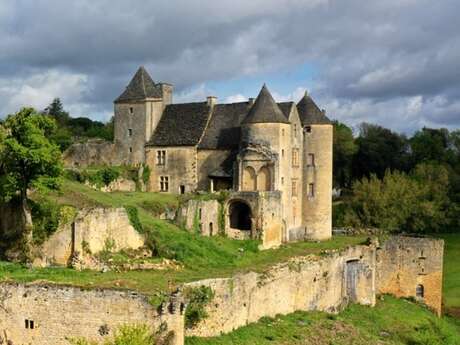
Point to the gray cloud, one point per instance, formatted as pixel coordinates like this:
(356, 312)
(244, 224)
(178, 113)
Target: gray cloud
(394, 62)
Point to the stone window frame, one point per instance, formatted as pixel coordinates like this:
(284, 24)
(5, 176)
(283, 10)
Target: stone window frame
(295, 188)
(311, 159)
(130, 132)
(420, 291)
(29, 324)
(131, 110)
(311, 190)
(164, 183)
(161, 157)
(295, 157)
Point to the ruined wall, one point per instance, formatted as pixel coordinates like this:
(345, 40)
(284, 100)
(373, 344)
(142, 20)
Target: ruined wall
(60, 312)
(180, 167)
(88, 234)
(305, 283)
(403, 263)
(205, 213)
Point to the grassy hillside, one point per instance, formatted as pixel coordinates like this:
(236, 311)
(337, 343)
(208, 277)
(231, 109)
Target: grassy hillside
(201, 257)
(392, 321)
(452, 273)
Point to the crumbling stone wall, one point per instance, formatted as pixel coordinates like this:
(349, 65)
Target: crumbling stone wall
(90, 233)
(43, 314)
(405, 263)
(203, 214)
(304, 283)
(92, 152)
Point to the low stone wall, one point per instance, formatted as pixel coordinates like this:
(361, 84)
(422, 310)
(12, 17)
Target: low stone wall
(119, 185)
(92, 231)
(407, 264)
(204, 212)
(304, 283)
(43, 314)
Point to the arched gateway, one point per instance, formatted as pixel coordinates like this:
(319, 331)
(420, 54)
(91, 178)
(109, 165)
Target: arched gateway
(239, 215)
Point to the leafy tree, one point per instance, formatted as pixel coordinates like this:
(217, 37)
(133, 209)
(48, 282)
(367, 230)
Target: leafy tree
(344, 150)
(379, 149)
(28, 158)
(56, 110)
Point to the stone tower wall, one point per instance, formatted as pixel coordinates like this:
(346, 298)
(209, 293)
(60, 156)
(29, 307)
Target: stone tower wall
(317, 209)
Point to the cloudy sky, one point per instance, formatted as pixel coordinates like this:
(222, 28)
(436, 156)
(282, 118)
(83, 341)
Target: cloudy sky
(391, 62)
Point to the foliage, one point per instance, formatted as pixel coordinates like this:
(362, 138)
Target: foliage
(145, 174)
(417, 202)
(133, 216)
(125, 335)
(344, 149)
(28, 159)
(198, 298)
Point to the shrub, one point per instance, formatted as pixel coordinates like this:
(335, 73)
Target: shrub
(133, 216)
(198, 298)
(45, 218)
(126, 335)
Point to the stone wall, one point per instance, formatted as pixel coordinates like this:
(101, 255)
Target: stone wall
(12, 224)
(60, 312)
(89, 234)
(204, 212)
(403, 263)
(304, 283)
(92, 152)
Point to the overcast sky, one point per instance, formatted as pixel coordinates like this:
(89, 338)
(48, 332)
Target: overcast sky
(393, 62)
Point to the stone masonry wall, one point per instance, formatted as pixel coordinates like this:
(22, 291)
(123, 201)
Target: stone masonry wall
(305, 283)
(60, 312)
(204, 212)
(403, 263)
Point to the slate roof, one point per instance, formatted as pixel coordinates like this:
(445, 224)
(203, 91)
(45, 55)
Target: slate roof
(181, 125)
(223, 131)
(286, 108)
(140, 87)
(309, 112)
(265, 110)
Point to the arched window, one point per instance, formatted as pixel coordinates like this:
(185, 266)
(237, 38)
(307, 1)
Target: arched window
(420, 291)
(264, 179)
(249, 179)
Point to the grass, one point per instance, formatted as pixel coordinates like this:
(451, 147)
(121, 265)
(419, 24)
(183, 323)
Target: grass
(392, 321)
(201, 257)
(452, 271)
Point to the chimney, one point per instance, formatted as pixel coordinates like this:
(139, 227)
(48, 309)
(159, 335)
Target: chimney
(251, 100)
(211, 100)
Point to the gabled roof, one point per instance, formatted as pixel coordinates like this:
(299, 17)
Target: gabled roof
(309, 112)
(181, 125)
(265, 110)
(140, 87)
(223, 131)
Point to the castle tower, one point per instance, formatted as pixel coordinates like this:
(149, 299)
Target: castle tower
(137, 112)
(317, 169)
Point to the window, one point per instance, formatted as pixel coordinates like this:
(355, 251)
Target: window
(210, 229)
(199, 214)
(131, 110)
(29, 324)
(308, 129)
(164, 183)
(182, 189)
(130, 132)
(161, 157)
(282, 153)
(311, 160)
(420, 291)
(282, 180)
(311, 190)
(295, 130)
(294, 187)
(282, 132)
(295, 157)
(130, 149)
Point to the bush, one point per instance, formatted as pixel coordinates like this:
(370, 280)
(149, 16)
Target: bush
(126, 335)
(198, 298)
(133, 216)
(45, 218)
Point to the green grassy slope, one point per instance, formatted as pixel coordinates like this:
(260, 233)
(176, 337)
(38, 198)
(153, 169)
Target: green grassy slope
(392, 321)
(202, 257)
(452, 271)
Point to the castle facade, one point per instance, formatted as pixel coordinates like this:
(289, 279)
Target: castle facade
(275, 158)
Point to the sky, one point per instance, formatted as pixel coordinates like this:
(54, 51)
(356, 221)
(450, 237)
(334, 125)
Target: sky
(391, 62)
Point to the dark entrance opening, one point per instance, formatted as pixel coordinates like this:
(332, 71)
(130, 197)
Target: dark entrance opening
(240, 216)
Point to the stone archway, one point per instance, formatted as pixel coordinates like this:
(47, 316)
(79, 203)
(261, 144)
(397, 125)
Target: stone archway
(264, 179)
(239, 214)
(249, 179)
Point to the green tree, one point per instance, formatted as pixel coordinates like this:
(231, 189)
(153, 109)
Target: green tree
(56, 110)
(379, 149)
(29, 159)
(344, 150)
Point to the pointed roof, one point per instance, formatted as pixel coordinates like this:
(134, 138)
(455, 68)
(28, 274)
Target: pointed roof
(140, 87)
(265, 110)
(309, 112)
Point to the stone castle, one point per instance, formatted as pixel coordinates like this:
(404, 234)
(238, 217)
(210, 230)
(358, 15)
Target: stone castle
(276, 158)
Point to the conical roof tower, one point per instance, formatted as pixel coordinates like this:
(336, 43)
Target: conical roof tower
(265, 110)
(140, 87)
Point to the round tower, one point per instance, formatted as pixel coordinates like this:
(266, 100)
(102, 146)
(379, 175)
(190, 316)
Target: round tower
(317, 169)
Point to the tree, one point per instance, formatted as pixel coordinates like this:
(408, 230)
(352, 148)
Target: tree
(56, 110)
(344, 149)
(379, 149)
(28, 158)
